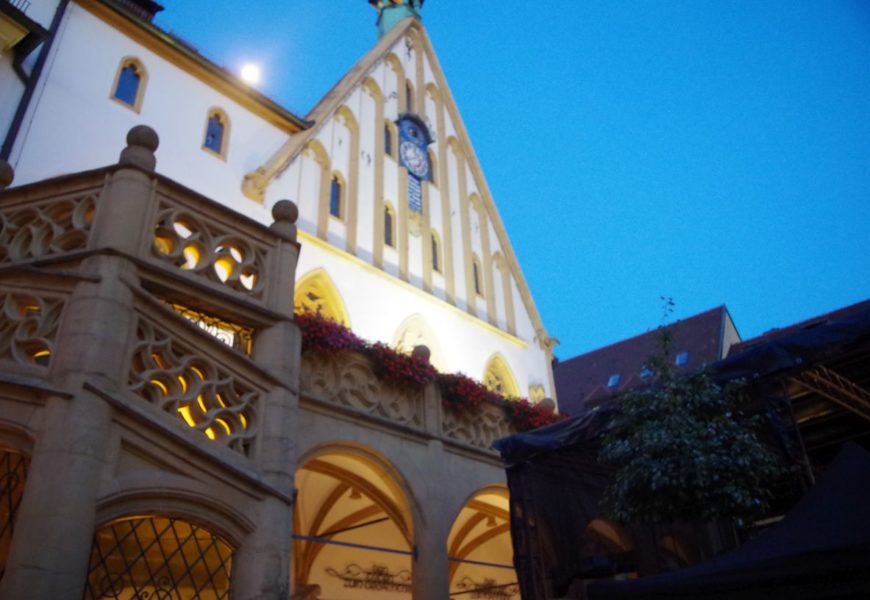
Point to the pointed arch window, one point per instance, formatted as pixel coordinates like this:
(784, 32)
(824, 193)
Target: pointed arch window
(433, 166)
(388, 139)
(130, 82)
(409, 96)
(436, 253)
(217, 132)
(475, 272)
(336, 196)
(389, 226)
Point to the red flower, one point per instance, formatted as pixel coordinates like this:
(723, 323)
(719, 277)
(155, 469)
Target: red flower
(400, 368)
(323, 335)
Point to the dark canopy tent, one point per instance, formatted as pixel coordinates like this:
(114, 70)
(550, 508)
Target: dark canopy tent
(556, 482)
(821, 549)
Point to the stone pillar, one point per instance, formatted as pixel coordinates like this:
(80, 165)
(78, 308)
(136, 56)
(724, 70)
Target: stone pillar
(261, 565)
(49, 555)
(429, 569)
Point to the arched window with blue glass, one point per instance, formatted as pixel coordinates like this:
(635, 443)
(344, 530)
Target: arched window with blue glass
(336, 196)
(130, 80)
(217, 132)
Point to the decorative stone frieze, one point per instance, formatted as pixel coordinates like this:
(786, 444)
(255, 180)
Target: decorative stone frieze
(348, 379)
(478, 428)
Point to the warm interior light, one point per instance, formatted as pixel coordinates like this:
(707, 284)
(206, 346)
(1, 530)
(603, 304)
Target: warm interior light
(251, 74)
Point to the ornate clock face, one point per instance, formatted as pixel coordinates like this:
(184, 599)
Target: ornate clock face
(415, 159)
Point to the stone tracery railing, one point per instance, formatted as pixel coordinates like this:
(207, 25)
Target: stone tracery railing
(347, 379)
(46, 226)
(28, 326)
(479, 429)
(170, 369)
(202, 246)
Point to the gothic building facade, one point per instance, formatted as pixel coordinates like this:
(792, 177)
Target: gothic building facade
(161, 435)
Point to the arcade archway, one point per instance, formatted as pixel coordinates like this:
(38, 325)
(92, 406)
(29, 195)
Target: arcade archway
(353, 528)
(479, 548)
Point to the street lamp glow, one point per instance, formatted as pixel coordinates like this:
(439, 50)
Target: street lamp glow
(251, 74)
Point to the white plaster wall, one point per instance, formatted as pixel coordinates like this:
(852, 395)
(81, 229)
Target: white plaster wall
(42, 11)
(73, 123)
(11, 89)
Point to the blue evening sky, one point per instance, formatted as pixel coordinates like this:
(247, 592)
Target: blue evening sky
(717, 152)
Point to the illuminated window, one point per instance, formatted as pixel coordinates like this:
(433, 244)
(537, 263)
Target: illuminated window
(158, 557)
(499, 378)
(681, 359)
(613, 381)
(316, 293)
(389, 226)
(130, 83)
(13, 475)
(216, 132)
(335, 191)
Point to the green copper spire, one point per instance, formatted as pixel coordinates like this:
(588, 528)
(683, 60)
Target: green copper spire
(391, 12)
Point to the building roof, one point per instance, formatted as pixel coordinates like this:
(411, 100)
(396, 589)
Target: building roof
(776, 332)
(585, 380)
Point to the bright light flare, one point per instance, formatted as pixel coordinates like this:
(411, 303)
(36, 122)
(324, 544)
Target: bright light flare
(251, 74)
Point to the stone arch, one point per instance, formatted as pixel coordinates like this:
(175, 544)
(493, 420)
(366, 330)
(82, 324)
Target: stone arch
(351, 501)
(481, 533)
(316, 293)
(415, 331)
(176, 497)
(498, 377)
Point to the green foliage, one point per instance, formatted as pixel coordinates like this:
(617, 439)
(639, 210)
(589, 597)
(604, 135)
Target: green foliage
(683, 451)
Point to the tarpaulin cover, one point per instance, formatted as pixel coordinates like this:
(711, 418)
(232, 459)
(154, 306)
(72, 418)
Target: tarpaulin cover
(821, 549)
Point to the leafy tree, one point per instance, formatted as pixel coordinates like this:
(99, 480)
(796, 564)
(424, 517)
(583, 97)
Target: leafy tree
(684, 451)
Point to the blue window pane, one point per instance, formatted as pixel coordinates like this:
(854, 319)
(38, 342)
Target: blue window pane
(214, 134)
(128, 85)
(681, 359)
(614, 380)
(335, 198)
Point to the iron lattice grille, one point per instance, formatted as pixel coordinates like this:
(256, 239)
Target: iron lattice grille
(158, 558)
(13, 476)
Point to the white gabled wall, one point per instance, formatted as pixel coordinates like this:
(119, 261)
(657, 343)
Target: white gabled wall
(379, 300)
(73, 124)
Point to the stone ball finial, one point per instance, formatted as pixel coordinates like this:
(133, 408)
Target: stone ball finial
(549, 405)
(142, 141)
(285, 213)
(7, 174)
(421, 351)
